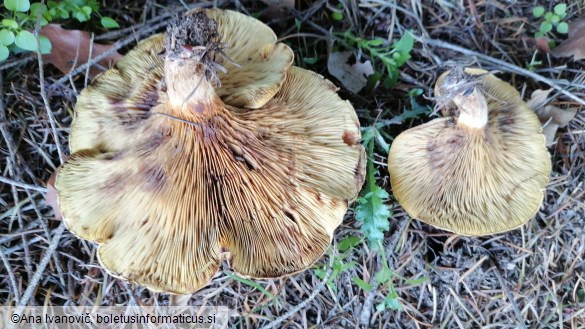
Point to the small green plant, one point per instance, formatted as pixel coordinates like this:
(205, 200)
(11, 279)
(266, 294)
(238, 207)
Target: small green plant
(372, 210)
(20, 17)
(552, 19)
(345, 247)
(534, 63)
(392, 56)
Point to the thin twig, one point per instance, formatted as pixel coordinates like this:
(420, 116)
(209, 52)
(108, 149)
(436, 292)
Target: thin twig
(44, 94)
(521, 320)
(22, 185)
(17, 62)
(304, 303)
(11, 276)
(32, 285)
(504, 66)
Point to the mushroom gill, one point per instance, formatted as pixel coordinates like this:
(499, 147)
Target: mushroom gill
(174, 161)
(481, 172)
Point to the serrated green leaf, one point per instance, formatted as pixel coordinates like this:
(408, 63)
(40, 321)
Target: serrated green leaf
(45, 43)
(560, 9)
(26, 40)
(563, 28)
(6, 37)
(109, 23)
(546, 27)
(538, 11)
(348, 242)
(373, 214)
(363, 284)
(10, 23)
(380, 141)
(4, 53)
(17, 5)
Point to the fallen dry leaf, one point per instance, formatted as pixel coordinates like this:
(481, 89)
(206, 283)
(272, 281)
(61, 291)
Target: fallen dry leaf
(541, 44)
(551, 117)
(575, 43)
(353, 76)
(73, 47)
(539, 99)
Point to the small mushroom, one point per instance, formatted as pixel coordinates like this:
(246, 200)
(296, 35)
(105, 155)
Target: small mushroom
(481, 172)
(176, 164)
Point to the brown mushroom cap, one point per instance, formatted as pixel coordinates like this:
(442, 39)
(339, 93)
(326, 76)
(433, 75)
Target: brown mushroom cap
(168, 177)
(459, 175)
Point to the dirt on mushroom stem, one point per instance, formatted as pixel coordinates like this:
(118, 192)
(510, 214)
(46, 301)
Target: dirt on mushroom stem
(194, 36)
(190, 68)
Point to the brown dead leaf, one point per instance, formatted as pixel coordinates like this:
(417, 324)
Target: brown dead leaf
(52, 199)
(542, 44)
(539, 99)
(551, 117)
(354, 77)
(556, 115)
(575, 43)
(72, 47)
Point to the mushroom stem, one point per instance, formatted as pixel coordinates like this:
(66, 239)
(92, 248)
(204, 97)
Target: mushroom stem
(473, 108)
(187, 85)
(191, 43)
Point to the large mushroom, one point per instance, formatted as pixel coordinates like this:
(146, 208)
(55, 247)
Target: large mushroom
(206, 145)
(482, 171)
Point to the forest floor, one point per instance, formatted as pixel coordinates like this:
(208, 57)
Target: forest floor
(531, 277)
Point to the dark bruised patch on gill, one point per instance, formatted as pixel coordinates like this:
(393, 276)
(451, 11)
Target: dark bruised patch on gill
(506, 123)
(114, 184)
(112, 156)
(158, 138)
(134, 108)
(456, 139)
(155, 178)
(149, 99)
